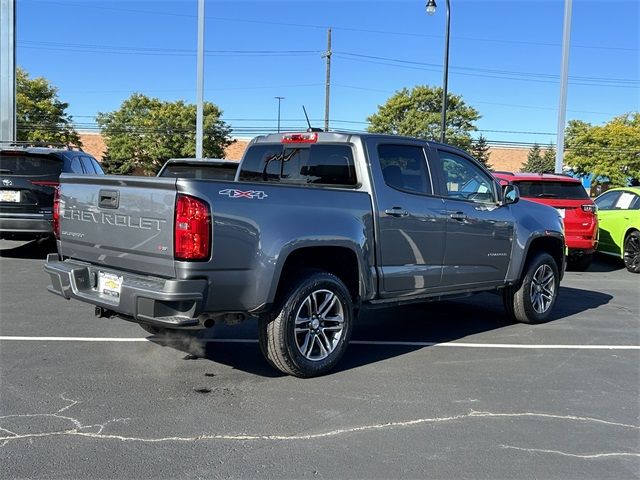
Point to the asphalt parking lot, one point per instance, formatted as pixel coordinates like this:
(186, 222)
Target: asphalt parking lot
(442, 390)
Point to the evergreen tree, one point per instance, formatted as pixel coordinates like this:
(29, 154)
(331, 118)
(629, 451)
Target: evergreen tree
(480, 150)
(538, 162)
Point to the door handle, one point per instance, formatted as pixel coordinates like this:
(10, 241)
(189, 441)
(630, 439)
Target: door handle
(396, 212)
(458, 216)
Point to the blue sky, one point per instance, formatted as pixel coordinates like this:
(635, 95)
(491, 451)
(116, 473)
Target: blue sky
(504, 58)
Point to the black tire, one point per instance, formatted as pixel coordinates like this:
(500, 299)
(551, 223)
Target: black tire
(532, 301)
(324, 300)
(580, 263)
(631, 251)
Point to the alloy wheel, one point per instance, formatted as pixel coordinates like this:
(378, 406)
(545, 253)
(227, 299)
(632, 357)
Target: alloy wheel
(319, 325)
(543, 286)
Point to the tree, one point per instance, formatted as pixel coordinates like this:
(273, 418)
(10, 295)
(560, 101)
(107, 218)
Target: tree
(538, 162)
(145, 132)
(549, 160)
(480, 150)
(416, 113)
(40, 115)
(611, 150)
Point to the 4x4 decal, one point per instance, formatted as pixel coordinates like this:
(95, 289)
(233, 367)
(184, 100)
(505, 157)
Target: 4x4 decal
(233, 193)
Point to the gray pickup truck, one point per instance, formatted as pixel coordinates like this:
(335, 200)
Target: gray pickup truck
(315, 227)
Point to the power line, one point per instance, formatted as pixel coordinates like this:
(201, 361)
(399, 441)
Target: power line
(324, 27)
(511, 76)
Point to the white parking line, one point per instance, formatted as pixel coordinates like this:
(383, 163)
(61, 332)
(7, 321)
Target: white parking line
(354, 342)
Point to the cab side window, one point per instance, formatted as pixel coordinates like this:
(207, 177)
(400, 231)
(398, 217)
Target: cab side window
(404, 168)
(465, 180)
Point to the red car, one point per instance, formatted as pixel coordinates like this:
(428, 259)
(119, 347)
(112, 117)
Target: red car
(568, 196)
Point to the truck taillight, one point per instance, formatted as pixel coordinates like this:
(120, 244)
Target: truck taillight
(56, 212)
(192, 229)
(589, 208)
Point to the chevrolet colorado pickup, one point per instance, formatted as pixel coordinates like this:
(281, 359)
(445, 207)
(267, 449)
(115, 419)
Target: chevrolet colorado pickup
(314, 227)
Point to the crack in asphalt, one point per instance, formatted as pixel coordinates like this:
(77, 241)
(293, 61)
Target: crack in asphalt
(81, 430)
(575, 455)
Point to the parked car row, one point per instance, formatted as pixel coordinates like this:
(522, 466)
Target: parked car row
(609, 224)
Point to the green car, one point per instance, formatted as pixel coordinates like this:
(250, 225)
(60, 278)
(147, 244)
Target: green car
(619, 225)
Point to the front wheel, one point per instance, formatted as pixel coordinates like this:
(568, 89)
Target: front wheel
(632, 252)
(533, 300)
(309, 330)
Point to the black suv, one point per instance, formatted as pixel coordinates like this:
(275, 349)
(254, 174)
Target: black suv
(28, 179)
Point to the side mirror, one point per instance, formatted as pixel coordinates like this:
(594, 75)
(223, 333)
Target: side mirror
(510, 194)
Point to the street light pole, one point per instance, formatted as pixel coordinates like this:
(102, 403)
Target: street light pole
(431, 9)
(279, 100)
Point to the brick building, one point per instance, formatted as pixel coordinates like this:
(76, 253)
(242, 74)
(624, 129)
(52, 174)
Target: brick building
(501, 158)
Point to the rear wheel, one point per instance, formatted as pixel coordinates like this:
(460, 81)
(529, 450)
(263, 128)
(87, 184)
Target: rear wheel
(533, 300)
(632, 252)
(309, 330)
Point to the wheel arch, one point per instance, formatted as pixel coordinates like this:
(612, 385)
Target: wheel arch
(339, 260)
(551, 244)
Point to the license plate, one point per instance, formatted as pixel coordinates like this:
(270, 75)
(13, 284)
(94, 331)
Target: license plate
(560, 211)
(10, 196)
(109, 284)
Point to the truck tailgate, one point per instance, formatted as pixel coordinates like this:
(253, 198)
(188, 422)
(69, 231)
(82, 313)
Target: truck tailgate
(121, 221)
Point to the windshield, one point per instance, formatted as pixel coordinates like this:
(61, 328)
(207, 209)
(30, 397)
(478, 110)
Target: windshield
(26, 165)
(546, 189)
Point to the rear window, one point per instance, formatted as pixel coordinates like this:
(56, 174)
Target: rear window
(316, 164)
(205, 172)
(564, 190)
(27, 165)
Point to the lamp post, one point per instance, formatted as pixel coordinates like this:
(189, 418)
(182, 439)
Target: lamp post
(431, 9)
(279, 100)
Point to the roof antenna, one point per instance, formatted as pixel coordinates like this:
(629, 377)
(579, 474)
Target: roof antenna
(310, 129)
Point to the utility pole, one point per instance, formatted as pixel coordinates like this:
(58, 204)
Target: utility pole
(200, 81)
(564, 80)
(279, 100)
(8, 71)
(327, 89)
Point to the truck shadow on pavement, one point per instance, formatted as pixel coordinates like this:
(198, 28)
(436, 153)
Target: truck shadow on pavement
(35, 250)
(424, 324)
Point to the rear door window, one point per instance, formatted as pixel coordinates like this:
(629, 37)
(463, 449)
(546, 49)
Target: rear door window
(550, 189)
(28, 165)
(404, 167)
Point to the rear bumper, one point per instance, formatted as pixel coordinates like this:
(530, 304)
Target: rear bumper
(585, 242)
(161, 302)
(25, 225)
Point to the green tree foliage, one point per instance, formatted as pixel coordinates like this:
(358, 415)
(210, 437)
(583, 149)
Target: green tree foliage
(40, 115)
(611, 150)
(539, 162)
(480, 151)
(416, 113)
(144, 132)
